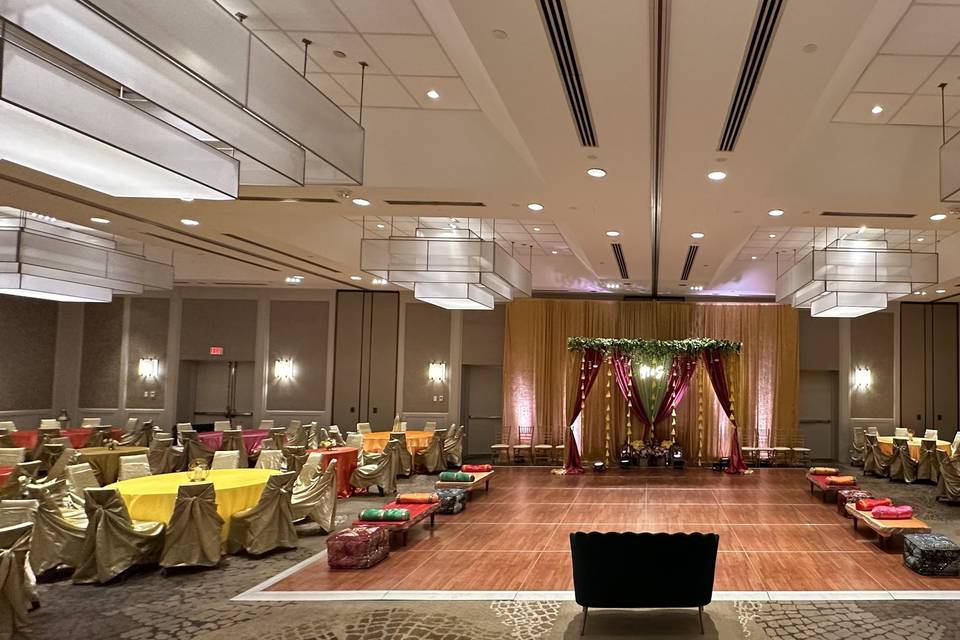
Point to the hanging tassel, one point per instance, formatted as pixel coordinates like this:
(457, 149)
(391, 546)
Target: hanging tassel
(700, 395)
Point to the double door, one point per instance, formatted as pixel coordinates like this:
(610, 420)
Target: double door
(928, 366)
(213, 390)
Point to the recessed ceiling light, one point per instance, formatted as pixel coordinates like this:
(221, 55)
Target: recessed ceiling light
(876, 110)
(923, 293)
(554, 252)
(339, 54)
(378, 281)
(937, 217)
(536, 228)
(596, 172)
(941, 290)
(772, 235)
(100, 220)
(919, 239)
(776, 213)
(613, 234)
(381, 226)
(697, 235)
(810, 47)
(293, 279)
(433, 94)
(356, 278)
(716, 176)
(190, 222)
(499, 34)
(187, 199)
(360, 202)
(753, 257)
(535, 206)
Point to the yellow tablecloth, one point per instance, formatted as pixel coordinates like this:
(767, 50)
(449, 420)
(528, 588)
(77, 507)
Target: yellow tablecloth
(886, 446)
(153, 497)
(106, 462)
(376, 441)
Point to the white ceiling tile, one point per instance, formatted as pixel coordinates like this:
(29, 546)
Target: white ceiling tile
(925, 30)
(384, 16)
(281, 43)
(949, 72)
(356, 50)
(331, 89)
(896, 74)
(305, 15)
(379, 91)
(255, 18)
(925, 110)
(412, 55)
(453, 92)
(857, 106)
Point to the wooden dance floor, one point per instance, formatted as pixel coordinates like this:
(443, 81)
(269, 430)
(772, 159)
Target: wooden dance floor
(774, 537)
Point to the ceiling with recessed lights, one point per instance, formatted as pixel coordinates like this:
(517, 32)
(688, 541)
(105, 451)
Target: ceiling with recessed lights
(500, 141)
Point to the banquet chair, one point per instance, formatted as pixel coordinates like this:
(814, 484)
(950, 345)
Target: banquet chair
(80, 477)
(221, 425)
(431, 459)
(184, 426)
(902, 466)
(194, 450)
(89, 423)
(396, 423)
(141, 436)
(363, 427)
(355, 440)
(453, 448)
(131, 467)
(948, 484)
(6, 440)
(58, 470)
(162, 456)
(403, 426)
(405, 460)
(799, 451)
(269, 524)
(927, 466)
(873, 430)
(233, 441)
(875, 461)
(225, 460)
(14, 512)
(10, 456)
(430, 425)
(901, 432)
(318, 499)
(296, 435)
(17, 594)
(279, 436)
(931, 433)
(270, 459)
(99, 437)
(334, 432)
(57, 537)
(857, 446)
(266, 424)
(310, 468)
(955, 446)
(49, 422)
(315, 434)
(381, 473)
(9, 425)
(47, 453)
(294, 456)
(131, 425)
(113, 542)
(193, 535)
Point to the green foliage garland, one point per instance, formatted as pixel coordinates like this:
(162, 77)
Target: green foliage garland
(653, 348)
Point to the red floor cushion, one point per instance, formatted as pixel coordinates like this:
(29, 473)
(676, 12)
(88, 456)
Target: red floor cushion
(417, 498)
(867, 504)
(476, 468)
(902, 512)
(842, 481)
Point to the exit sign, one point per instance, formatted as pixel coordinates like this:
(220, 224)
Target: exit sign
(216, 351)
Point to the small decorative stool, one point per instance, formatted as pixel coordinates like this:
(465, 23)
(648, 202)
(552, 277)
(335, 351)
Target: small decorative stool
(931, 554)
(357, 547)
(849, 495)
(452, 500)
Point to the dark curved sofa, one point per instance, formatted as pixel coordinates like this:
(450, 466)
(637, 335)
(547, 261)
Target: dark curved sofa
(643, 570)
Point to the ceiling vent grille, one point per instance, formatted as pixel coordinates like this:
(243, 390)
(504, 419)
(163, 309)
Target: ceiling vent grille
(764, 27)
(688, 264)
(557, 25)
(866, 214)
(434, 203)
(621, 262)
(279, 199)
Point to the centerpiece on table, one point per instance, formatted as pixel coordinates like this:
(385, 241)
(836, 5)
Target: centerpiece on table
(327, 444)
(198, 470)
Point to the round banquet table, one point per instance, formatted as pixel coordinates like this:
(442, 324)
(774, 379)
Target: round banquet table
(376, 441)
(251, 439)
(346, 458)
(106, 462)
(886, 446)
(27, 438)
(153, 497)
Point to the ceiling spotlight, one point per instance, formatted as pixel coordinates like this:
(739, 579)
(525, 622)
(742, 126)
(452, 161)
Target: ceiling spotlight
(613, 234)
(923, 293)
(876, 110)
(596, 172)
(696, 287)
(360, 202)
(941, 290)
(381, 226)
(379, 281)
(293, 279)
(433, 94)
(776, 213)
(535, 206)
(697, 235)
(753, 257)
(187, 199)
(100, 220)
(772, 236)
(717, 176)
(356, 278)
(919, 239)
(612, 285)
(190, 222)
(916, 293)
(536, 228)
(937, 217)
(554, 252)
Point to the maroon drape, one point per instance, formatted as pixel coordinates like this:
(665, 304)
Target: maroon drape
(589, 369)
(681, 372)
(628, 388)
(713, 360)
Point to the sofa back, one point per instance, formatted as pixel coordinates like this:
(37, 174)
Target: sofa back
(637, 570)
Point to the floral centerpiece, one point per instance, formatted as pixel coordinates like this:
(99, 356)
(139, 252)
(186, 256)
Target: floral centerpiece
(653, 453)
(327, 444)
(198, 470)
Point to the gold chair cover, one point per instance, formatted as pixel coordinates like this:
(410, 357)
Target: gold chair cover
(948, 485)
(295, 456)
(296, 435)
(405, 460)
(193, 535)
(875, 461)
(430, 425)
(334, 431)
(355, 440)
(453, 448)
(136, 466)
(269, 524)
(10, 456)
(310, 468)
(902, 466)
(16, 593)
(233, 441)
(318, 499)
(857, 447)
(6, 441)
(927, 466)
(79, 478)
(382, 472)
(113, 542)
(139, 436)
(193, 450)
(270, 459)
(14, 512)
(57, 539)
(364, 427)
(279, 435)
(162, 456)
(226, 460)
(431, 459)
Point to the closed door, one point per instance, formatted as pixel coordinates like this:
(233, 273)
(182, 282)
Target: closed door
(481, 398)
(222, 390)
(818, 410)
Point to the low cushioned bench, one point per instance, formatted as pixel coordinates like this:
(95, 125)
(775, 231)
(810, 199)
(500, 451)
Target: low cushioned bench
(478, 479)
(820, 482)
(886, 528)
(609, 570)
(845, 496)
(931, 554)
(398, 530)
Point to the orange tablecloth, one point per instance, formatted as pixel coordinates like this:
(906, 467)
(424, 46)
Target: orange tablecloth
(78, 437)
(886, 446)
(376, 441)
(346, 458)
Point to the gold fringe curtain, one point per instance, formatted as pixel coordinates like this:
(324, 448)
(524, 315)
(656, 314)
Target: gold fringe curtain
(540, 375)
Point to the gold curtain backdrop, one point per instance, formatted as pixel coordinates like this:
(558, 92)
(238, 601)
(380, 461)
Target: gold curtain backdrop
(540, 375)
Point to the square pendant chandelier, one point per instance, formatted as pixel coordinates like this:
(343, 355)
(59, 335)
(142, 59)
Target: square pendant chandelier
(849, 272)
(455, 265)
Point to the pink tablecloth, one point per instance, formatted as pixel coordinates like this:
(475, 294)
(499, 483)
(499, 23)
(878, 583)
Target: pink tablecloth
(346, 458)
(4, 474)
(251, 439)
(78, 437)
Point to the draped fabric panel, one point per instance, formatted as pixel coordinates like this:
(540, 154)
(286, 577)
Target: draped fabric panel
(628, 389)
(722, 369)
(681, 372)
(589, 368)
(541, 376)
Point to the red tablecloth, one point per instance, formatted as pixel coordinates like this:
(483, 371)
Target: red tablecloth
(78, 437)
(4, 474)
(346, 458)
(251, 439)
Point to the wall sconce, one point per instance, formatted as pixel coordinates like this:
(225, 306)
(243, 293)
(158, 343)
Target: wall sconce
(283, 369)
(862, 377)
(149, 368)
(437, 371)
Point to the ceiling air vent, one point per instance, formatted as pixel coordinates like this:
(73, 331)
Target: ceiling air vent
(278, 199)
(764, 26)
(557, 26)
(434, 203)
(621, 263)
(866, 214)
(688, 264)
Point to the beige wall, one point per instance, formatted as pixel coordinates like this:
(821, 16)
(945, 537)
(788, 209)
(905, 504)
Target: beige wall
(426, 340)
(147, 338)
(231, 324)
(483, 336)
(819, 342)
(872, 347)
(298, 330)
(100, 362)
(28, 336)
